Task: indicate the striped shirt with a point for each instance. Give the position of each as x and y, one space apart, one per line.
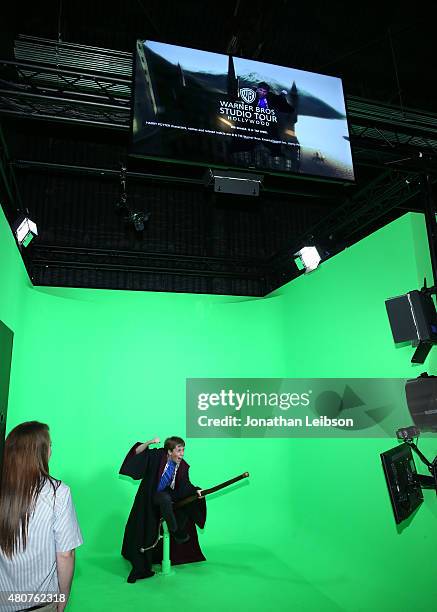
167 467
168 477
53 528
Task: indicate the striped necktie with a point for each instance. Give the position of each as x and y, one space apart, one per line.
167 476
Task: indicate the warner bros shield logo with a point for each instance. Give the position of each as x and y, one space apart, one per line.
248 95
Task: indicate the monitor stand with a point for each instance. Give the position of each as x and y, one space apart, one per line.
427 482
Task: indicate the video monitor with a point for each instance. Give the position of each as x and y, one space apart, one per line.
402 481
217 110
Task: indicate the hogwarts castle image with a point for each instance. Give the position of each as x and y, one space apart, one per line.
207 108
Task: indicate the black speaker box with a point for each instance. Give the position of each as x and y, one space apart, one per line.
412 317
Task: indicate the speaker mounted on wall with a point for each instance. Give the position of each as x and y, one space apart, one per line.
413 318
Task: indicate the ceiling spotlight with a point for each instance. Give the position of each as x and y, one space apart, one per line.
138 219
307 259
24 230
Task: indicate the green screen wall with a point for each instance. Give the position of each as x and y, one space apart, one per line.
14 289
312 529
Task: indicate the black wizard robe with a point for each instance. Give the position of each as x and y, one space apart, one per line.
142 526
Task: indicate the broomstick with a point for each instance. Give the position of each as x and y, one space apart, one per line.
192 498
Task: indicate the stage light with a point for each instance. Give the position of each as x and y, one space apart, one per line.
24 230
421 394
138 219
408 434
308 258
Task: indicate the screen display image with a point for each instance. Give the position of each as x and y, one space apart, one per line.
207 108
402 482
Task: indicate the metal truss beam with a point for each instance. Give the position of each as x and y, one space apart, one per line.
23 164
48 256
7 177
89 75
388 191
34 77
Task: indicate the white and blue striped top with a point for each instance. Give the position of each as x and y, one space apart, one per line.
53 528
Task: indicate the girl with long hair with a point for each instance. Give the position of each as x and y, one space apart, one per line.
38 525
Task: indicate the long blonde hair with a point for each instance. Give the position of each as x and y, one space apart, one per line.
25 471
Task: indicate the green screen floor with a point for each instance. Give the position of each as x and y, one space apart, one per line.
232 579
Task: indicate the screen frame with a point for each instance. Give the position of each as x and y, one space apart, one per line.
387 459
252 170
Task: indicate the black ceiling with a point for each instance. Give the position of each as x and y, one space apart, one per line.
62 146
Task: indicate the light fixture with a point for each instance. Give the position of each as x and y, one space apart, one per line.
24 230
308 258
138 219
131 217
421 394
231 181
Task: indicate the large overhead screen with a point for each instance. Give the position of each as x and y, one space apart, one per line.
213 109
